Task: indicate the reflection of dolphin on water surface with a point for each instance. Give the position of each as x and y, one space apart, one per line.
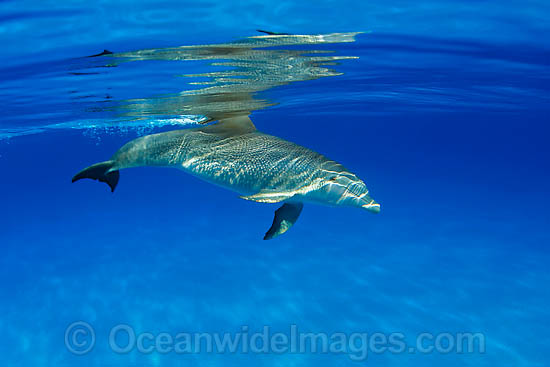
260 167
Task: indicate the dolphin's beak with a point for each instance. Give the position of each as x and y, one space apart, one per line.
372 207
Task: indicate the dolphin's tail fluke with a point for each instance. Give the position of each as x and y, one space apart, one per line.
102 172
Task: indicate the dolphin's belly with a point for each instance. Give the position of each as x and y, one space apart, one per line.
248 163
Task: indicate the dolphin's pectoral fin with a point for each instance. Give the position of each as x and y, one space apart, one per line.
285 217
100 171
269 196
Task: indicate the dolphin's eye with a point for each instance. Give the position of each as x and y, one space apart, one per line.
333 178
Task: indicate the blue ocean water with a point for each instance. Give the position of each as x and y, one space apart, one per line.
441 107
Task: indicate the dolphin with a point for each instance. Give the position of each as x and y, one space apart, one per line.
234 154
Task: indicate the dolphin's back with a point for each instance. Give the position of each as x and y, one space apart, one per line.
246 163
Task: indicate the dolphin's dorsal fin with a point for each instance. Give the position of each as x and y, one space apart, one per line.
285 217
230 126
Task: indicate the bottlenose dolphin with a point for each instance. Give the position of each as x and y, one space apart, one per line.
234 155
